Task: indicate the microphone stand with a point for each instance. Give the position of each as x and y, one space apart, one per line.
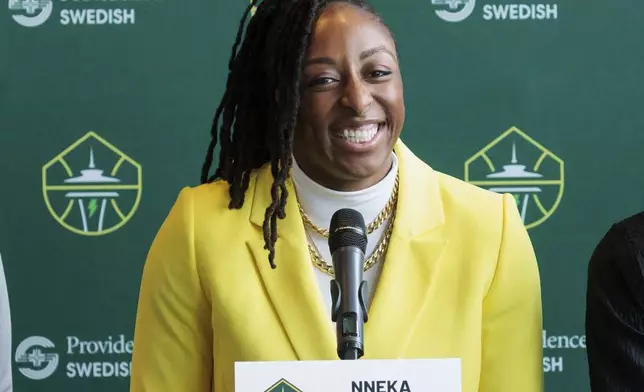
350 322
351 354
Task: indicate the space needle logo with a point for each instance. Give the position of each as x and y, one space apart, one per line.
515 163
83 196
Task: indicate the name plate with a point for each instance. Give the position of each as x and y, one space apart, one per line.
398 375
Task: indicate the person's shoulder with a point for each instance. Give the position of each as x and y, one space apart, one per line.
451 187
212 198
631 227
623 240
208 198
475 208
616 265
627 232
6 381
465 205
467 195
204 210
457 195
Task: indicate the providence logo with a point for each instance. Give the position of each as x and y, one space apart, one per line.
35 358
454 10
38 358
459 10
31 13
34 13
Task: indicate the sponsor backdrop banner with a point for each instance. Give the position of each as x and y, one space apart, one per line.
105 111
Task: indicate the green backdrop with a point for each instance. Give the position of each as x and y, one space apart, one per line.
125 90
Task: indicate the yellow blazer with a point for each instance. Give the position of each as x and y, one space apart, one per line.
460 280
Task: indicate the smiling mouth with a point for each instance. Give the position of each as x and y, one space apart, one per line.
361 134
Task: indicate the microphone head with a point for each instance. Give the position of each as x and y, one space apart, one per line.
347 229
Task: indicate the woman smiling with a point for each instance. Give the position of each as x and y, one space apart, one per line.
310 123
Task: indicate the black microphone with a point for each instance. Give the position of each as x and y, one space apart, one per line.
348 244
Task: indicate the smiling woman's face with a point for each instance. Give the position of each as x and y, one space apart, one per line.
351 104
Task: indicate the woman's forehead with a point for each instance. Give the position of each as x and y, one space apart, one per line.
345 27
342 15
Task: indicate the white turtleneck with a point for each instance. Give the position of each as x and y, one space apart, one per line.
320 203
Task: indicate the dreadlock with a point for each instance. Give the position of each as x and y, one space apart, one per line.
259 107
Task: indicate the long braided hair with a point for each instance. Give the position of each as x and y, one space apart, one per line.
259 108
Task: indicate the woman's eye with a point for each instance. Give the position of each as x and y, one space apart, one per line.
322 81
378 74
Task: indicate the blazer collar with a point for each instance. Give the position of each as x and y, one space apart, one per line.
419 199
292 287
404 286
420 206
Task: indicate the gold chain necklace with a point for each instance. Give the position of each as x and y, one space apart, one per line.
327 268
385 214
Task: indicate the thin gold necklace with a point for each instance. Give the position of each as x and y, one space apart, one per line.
387 213
322 265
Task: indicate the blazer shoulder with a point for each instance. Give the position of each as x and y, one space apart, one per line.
471 203
206 208
465 206
459 196
461 189
212 200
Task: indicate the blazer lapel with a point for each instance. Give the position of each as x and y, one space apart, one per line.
413 257
292 286
405 285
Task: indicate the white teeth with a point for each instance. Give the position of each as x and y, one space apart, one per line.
362 134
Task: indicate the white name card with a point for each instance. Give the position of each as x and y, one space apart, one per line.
398 375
